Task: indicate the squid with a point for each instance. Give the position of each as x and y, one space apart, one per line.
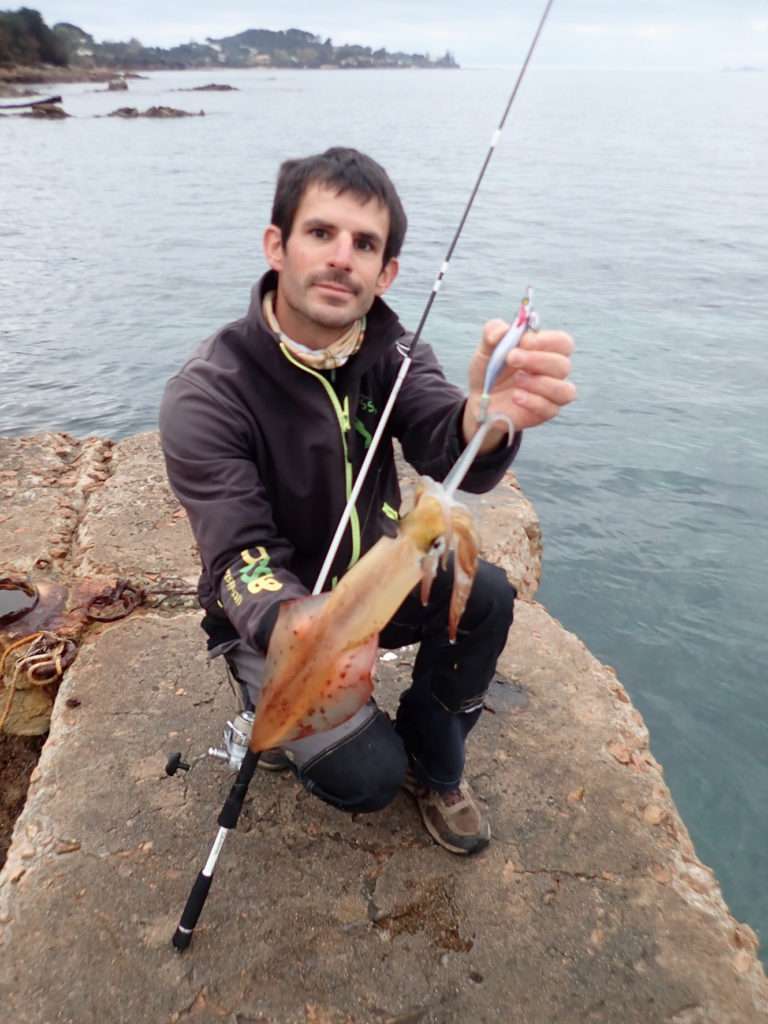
319 667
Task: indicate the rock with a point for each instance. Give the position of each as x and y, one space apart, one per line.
119 85
653 814
67 846
743 962
620 752
46 111
745 937
48 73
170 112
157 112
212 87
30 711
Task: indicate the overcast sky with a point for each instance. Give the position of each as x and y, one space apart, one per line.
584 33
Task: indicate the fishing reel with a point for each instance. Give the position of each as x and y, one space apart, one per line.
237 733
236 737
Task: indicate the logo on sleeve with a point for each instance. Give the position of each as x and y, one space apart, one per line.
254 576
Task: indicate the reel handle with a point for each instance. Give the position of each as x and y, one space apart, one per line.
175 764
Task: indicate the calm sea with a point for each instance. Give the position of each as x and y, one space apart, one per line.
636 205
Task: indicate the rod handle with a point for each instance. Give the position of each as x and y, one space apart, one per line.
233 805
192 909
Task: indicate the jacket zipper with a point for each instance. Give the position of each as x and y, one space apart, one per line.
343 417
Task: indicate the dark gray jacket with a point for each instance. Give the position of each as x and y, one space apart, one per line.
262 452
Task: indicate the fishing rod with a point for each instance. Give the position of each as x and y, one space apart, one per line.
230 812
406 364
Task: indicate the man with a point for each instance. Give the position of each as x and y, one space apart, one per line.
264 430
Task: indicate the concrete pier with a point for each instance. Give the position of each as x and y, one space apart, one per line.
590 905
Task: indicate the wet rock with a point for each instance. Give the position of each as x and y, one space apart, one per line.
46 112
211 87
156 112
171 112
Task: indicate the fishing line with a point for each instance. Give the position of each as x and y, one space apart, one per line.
406 364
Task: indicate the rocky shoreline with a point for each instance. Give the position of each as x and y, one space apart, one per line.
590 905
49 73
14 78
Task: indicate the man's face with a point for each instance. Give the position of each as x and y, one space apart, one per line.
330 269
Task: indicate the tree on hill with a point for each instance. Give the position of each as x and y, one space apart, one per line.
26 39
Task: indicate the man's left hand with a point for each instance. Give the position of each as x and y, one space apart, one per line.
531 388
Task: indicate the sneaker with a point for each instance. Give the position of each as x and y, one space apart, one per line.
452 818
273 760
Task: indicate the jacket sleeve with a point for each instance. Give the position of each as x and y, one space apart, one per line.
211 469
426 419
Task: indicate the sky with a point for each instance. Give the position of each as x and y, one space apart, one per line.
707 34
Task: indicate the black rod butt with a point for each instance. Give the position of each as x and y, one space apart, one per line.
192 910
181 939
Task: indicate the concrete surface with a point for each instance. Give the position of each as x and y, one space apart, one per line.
590 904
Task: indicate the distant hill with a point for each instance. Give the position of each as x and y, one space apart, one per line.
26 39
294 48
83 51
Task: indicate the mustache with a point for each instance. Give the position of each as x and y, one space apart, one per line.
336 277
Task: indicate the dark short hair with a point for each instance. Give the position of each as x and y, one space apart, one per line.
346 170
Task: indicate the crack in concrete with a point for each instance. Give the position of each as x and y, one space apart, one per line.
368 892
374 849
582 876
367 846
197 1002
